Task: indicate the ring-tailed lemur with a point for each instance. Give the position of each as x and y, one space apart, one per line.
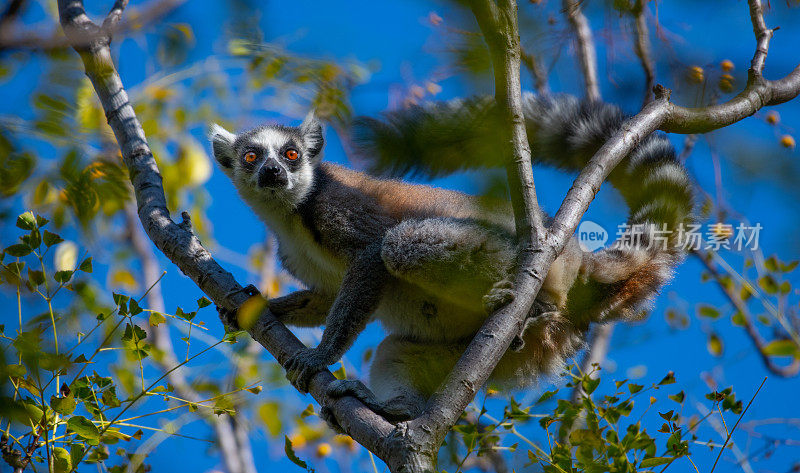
430 263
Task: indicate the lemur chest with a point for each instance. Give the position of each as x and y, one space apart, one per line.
316 266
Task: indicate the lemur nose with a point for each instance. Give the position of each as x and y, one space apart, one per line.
272 169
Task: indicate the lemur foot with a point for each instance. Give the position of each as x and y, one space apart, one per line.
326 414
538 309
228 317
394 410
501 294
303 365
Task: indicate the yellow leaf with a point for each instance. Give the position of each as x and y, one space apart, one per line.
123 278
250 311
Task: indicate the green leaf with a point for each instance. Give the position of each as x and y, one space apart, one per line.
76 452
63 405
26 221
668 379
678 397
715 345
547 395
120 299
291 455
35 277
62 461
157 318
134 307
83 427
16 371
634 388
589 384
18 250
63 276
86 265
650 462
768 284
781 348
51 238
708 311
203 302
109 398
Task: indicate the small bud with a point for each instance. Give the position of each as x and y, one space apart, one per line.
435 19
726 83
773 117
696 74
323 449
727 65
787 141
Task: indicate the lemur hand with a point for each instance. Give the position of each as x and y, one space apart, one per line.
303 365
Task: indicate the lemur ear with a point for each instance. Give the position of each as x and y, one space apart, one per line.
222 144
311 129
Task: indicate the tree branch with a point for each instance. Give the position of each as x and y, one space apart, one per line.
31 41
642 47
787 371
178 242
224 425
498 23
587 56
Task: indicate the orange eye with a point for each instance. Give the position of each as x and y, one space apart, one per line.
290 154
250 156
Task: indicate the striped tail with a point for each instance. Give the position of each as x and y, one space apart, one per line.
565 132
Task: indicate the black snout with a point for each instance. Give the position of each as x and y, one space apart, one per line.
272 174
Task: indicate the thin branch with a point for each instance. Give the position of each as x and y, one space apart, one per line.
730 434
643 49
760 344
537 71
498 23
587 55
30 40
595 354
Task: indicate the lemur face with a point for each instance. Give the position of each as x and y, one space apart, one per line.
272 162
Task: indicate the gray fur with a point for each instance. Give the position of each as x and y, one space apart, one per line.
430 264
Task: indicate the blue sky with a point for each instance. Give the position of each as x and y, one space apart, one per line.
397 36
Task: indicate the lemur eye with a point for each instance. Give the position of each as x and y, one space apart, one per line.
290 154
250 156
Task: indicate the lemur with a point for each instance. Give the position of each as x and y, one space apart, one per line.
431 264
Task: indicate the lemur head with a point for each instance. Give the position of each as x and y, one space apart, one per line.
272 162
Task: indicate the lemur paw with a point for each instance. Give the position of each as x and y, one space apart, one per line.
538 309
228 317
500 295
326 414
302 366
394 410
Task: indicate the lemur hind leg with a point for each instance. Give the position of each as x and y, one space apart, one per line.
457 259
402 377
